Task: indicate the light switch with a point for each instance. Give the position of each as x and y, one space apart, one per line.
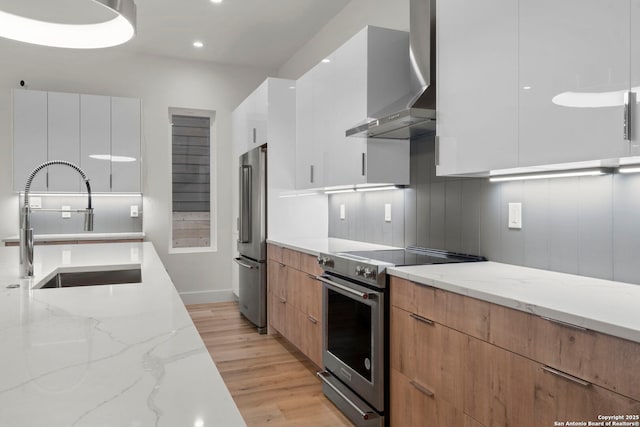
342 211
515 215
134 211
66 215
387 212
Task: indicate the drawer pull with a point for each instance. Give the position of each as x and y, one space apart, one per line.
311 276
312 319
567 376
283 300
422 389
560 322
421 319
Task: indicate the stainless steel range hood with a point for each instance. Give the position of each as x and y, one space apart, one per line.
414 114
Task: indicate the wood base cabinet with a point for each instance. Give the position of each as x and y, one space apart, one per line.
295 300
460 361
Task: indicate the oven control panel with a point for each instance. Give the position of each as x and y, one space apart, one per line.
366 272
325 261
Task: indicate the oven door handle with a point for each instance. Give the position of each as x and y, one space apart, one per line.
331 283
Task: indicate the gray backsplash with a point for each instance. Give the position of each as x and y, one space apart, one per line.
587 225
111 214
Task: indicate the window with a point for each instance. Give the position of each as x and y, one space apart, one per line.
193 214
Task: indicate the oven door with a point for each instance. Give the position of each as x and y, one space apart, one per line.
353 337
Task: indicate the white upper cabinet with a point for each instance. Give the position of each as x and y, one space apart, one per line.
477 77
29 137
63 124
125 145
635 75
98 133
363 76
574 69
534 82
249 120
95 137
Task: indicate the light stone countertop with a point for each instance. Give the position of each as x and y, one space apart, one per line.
78 236
313 246
113 355
600 305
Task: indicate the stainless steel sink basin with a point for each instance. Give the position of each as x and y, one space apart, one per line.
92 278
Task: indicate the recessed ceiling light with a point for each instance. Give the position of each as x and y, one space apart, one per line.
216 1
198 44
326 60
109 33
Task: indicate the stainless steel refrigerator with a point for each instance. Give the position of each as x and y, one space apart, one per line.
252 234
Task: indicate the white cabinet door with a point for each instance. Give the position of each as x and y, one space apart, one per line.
125 145
635 75
29 137
477 81
95 140
574 68
256 116
309 160
63 124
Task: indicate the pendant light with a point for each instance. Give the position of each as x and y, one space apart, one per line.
118 30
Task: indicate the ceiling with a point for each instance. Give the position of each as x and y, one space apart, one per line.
259 33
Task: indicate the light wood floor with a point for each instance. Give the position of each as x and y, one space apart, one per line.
271 382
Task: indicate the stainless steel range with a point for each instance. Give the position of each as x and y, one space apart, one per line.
356 328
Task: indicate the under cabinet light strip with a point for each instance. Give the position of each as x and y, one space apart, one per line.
629 169
349 190
550 175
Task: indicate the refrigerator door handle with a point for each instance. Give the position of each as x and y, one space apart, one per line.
239 261
244 231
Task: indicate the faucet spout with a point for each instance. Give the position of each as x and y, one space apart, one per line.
26 231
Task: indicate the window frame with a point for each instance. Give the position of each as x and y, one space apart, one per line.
213 174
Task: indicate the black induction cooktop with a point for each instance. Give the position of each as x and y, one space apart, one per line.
413 255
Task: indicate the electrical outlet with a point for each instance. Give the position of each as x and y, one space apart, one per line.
35 202
342 212
66 215
387 212
515 215
134 211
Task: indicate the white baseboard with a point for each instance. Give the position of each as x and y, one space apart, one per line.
206 297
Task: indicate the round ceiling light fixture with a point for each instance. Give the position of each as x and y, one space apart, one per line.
112 32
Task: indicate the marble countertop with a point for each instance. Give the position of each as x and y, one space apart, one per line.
112 355
78 236
313 246
600 305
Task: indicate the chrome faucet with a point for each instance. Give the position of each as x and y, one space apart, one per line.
26 232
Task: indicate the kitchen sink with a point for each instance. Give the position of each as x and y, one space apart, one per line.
93 278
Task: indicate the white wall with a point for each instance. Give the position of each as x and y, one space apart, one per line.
160 83
354 17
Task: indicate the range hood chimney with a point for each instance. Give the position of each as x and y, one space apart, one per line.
414 114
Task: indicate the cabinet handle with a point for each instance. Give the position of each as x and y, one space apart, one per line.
311 276
629 101
437 156
566 376
282 300
561 323
311 174
110 181
364 161
281 265
422 319
422 389
312 319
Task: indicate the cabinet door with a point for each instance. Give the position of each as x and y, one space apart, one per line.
95 140
257 115
635 75
29 138
309 158
574 68
125 145
63 127
477 85
277 285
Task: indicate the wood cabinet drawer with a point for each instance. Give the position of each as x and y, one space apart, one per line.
599 358
309 264
274 252
291 258
464 314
